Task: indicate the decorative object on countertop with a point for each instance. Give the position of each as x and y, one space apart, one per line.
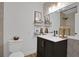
15 37
46 30
64 31
61 32
67 30
36 32
41 30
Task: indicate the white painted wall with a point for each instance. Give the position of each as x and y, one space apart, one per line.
18 20
1 27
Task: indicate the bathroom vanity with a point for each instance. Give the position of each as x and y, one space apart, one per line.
50 46
53 46
65 21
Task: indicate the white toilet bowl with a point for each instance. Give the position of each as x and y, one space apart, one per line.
17 54
15 48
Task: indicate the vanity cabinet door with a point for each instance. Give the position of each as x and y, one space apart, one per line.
40 47
60 48
56 49
46 48
49 49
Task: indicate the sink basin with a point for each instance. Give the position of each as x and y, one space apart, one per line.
52 38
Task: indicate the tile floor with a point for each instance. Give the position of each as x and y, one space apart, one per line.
32 55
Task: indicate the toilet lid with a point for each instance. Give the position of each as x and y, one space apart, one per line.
17 54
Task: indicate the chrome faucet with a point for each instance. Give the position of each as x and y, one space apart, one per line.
55 32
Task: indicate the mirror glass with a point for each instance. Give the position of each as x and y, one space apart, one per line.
67 20
64 18
55 19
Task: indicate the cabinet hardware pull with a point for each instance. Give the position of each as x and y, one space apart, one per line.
42 43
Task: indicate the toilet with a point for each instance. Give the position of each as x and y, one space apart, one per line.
15 48
17 54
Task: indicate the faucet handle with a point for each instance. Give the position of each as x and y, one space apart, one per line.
56 32
76 33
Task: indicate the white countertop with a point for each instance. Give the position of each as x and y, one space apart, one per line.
74 37
56 38
52 38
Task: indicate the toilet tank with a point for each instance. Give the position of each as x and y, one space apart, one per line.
15 45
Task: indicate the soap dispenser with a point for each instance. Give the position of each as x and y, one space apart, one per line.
41 30
46 30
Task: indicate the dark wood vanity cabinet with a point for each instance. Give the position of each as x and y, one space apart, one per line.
40 47
46 48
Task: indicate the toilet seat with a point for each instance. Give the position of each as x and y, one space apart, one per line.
17 54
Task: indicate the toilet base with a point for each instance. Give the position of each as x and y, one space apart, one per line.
17 54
